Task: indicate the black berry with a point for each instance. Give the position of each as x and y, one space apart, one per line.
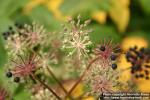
9 74
10 28
113 57
137 76
18 25
102 48
147 78
16 79
114 66
141 75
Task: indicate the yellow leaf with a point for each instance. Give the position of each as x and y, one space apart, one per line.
144 85
33 3
53 6
120 14
125 2
134 41
99 16
123 64
78 91
89 98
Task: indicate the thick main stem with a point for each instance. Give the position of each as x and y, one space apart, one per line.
45 85
60 84
81 77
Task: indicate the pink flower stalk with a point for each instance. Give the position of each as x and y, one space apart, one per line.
3 93
107 53
24 68
100 85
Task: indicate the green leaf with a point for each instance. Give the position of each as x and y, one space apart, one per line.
101 32
44 17
75 7
145 6
23 95
8 7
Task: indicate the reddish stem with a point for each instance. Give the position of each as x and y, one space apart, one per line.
46 86
60 84
81 77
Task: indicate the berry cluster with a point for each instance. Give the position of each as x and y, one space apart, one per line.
11 31
139 60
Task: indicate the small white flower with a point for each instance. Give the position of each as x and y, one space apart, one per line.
76 38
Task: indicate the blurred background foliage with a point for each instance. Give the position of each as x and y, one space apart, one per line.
125 21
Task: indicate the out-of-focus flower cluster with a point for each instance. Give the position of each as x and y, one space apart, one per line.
24 38
43 94
101 80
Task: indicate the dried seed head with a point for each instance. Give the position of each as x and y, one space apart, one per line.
76 39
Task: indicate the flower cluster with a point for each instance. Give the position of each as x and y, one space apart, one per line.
43 94
23 67
76 38
101 80
24 37
31 49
